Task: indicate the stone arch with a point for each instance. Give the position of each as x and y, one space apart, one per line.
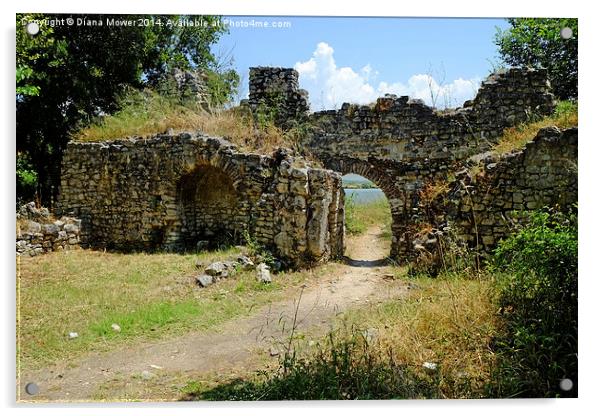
210 207
217 160
383 180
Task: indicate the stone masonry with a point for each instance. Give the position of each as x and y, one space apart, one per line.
482 208
38 232
401 144
277 89
188 191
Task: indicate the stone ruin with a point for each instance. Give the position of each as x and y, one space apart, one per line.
543 174
38 232
277 90
189 85
402 145
188 191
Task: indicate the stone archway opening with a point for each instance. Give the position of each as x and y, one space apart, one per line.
368 221
210 210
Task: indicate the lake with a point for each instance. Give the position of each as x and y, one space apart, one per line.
365 196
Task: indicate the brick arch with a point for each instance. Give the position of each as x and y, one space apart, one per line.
368 171
379 176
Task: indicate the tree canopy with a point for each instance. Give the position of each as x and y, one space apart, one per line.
538 43
66 75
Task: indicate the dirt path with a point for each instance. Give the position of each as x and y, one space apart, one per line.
244 343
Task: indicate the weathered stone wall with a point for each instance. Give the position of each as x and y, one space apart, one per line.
400 144
185 191
277 89
543 174
38 232
190 85
178 191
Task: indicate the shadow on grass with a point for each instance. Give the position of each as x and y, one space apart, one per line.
345 369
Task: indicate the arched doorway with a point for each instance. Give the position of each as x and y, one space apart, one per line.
210 208
368 221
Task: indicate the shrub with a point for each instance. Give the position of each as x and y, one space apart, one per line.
259 253
536 271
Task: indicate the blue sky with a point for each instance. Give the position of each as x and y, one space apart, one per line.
358 59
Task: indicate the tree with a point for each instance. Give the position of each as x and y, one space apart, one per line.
67 75
538 43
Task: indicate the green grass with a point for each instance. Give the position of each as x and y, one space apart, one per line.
339 369
147 295
360 217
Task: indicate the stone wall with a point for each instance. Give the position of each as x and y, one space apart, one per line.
38 232
481 209
401 144
187 85
277 90
189 191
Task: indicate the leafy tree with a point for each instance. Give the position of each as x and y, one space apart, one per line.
67 75
538 43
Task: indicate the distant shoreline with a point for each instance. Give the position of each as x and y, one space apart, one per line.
359 185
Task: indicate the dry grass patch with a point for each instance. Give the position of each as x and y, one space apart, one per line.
380 351
448 321
514 138
145 113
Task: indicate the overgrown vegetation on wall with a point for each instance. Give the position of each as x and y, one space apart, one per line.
565 115
148 112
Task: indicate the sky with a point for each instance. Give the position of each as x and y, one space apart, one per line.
349 59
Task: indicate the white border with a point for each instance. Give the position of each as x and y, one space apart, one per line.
589 154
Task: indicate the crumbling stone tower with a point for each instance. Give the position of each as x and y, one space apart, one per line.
274 92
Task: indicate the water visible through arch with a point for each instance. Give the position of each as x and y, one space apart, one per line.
367 215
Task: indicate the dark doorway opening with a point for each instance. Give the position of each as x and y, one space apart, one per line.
210 210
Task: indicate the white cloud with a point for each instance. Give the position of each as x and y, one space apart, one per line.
329 86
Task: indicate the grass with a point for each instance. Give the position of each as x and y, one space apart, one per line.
359 217
448 321
515 138
147 295
145 113
508 332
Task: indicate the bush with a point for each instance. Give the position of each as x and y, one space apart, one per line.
536 271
